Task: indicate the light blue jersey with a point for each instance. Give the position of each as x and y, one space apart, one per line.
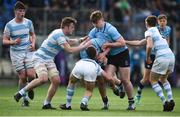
109 33
52 45
21 30
165 32
97 43
161 47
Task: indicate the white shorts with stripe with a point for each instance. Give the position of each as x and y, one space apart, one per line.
162 65
46 67
21 60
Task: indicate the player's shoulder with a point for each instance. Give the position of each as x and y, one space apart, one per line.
11 22
168 28
109 26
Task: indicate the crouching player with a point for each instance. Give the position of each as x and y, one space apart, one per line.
88 70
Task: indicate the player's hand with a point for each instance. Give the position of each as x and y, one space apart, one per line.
148 60
17 41
105 46
83 39
32 47
101 57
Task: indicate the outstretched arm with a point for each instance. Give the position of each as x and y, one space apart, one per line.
77 41
136 42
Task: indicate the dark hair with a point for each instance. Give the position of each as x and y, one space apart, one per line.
151 20
95 16
162 16
66 21
19 5
91 52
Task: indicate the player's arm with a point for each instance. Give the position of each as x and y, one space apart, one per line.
119 43
136 42
70 49
32 40
103 54
77 41
8 41
168 40
149 48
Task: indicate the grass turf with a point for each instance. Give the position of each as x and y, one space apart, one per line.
150 104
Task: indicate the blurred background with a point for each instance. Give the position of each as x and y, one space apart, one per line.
126 15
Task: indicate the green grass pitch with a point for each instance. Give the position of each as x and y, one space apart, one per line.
150 106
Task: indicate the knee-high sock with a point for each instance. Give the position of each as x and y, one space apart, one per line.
167 88
70 93
157 88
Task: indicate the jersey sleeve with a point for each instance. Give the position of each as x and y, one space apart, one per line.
61 40
31 27
92 33
115 35
147 34
7 30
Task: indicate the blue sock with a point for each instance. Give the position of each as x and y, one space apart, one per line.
70 93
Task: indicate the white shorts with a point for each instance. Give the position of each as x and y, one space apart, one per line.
45 67
161 65
21 60
85 70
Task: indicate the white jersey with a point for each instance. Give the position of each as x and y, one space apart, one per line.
87 69
161 47
52 45
21 30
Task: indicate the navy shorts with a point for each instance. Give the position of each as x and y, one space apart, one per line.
119 60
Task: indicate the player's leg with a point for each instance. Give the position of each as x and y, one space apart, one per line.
120 86
89 86
145 80
154 77
111 70
30 72
159 69
53 75
70 92
168 90
125 78
41 71
102 91
141 84
22 84
18 62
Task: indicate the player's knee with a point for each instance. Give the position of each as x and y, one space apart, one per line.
31 74
22 74
55 80
43 80
163 80
125 81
